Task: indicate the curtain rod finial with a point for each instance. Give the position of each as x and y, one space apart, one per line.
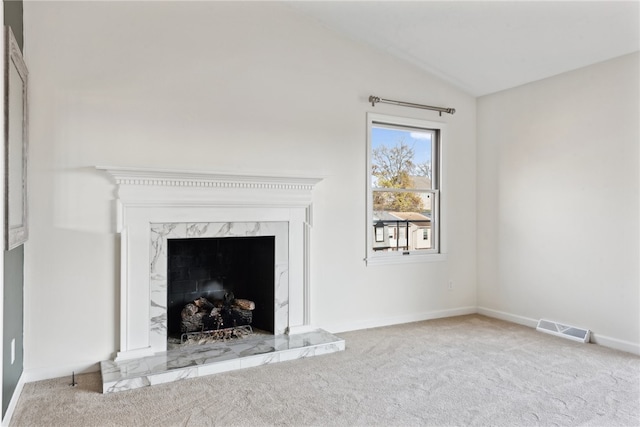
373 100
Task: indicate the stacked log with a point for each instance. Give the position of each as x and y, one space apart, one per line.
202 315
244 304
203 304
240 317
214 320
192 318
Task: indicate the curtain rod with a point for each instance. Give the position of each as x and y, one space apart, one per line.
374 99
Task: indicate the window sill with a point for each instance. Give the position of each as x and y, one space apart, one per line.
397 258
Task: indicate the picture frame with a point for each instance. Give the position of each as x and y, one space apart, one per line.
16 143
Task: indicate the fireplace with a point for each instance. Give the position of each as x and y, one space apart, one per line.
160 211
207 238
155 207
205 278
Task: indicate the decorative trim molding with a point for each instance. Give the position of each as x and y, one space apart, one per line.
181 178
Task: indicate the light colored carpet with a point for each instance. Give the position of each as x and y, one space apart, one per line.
468 370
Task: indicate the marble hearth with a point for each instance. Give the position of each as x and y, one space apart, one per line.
156 205
207 359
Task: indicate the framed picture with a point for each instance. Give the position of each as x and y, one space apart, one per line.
16 143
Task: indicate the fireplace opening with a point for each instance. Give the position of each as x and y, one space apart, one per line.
217 269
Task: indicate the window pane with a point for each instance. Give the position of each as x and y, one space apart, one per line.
420 202
401 157
403 219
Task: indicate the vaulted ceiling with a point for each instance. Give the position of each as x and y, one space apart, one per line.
485 47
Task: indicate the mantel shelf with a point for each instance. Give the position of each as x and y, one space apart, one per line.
185 178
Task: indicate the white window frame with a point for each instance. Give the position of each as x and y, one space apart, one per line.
412 256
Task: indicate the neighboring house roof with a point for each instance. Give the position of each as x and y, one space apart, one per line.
411 216
414 218
384 216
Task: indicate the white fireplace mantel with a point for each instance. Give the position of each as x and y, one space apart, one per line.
148 198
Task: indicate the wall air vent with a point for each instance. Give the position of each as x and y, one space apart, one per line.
564 331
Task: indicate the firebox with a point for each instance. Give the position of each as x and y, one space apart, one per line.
218 268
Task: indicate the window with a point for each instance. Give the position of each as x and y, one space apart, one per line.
403 200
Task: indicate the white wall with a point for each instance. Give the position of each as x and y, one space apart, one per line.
558 191
217 86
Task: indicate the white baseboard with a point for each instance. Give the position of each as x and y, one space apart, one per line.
388 321
603 340
615 343
513 318
14 401
39 374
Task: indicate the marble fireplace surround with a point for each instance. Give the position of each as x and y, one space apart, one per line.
161 233
153 205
